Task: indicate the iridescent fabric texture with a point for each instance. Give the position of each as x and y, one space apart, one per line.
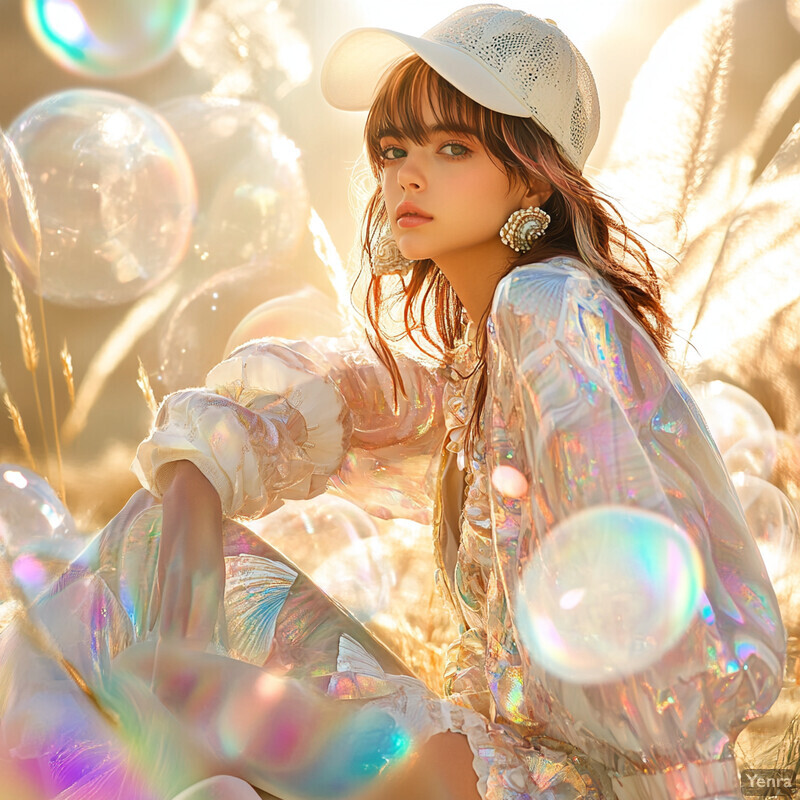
583 406
583 409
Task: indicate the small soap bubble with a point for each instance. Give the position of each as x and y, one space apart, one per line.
740 425
773 523
194 336
38 536
30 510
108 40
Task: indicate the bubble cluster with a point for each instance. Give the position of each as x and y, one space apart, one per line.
115 195
608 593
108 40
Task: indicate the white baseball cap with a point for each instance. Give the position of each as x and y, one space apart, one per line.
506 60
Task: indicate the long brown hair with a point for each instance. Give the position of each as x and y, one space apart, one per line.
583 223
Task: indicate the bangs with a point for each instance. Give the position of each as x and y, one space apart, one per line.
406 90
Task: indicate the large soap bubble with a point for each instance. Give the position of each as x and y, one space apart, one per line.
38 536
740 425
303 314
195 336
108 40
608 593
340 547
115 194
253 201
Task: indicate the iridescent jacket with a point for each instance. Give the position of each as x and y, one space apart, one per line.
581 404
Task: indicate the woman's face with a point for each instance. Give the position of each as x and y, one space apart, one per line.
446 197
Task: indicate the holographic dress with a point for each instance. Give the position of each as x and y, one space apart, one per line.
581 404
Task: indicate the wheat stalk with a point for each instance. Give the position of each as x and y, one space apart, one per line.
16 419
30 356
19 429
143 382
62 491
66 369
30 352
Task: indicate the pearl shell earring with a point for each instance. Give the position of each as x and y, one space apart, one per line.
524 227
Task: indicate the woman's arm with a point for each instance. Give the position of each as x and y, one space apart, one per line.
275 422
191 568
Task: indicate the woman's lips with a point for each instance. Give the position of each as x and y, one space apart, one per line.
412 221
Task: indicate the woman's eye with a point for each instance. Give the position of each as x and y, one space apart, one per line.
457 150
392 153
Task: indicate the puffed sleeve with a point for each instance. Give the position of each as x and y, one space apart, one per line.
284 419
585 407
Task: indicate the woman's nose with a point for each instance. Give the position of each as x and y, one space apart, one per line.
411 174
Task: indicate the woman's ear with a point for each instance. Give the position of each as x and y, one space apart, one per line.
537 194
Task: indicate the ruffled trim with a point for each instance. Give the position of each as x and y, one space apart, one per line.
253 371
473 726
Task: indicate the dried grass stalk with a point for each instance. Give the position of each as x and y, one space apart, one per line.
30 352
66 369
19 429
143 382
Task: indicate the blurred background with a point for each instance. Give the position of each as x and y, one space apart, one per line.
221 225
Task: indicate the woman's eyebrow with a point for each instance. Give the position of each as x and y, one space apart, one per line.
443 127
428 130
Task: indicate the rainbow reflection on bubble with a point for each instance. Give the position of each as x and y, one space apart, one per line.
610 591
108 40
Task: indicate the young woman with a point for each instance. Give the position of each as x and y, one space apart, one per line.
553 396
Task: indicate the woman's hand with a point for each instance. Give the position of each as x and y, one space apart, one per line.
191 567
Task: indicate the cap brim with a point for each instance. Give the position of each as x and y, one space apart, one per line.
355 64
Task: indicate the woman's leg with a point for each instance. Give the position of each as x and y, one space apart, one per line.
220 787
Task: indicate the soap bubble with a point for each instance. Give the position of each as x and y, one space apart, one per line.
772 521
108 40
252 197
196 333
115 193
609 592
741 427
341 549
20 235
299 315
37 534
